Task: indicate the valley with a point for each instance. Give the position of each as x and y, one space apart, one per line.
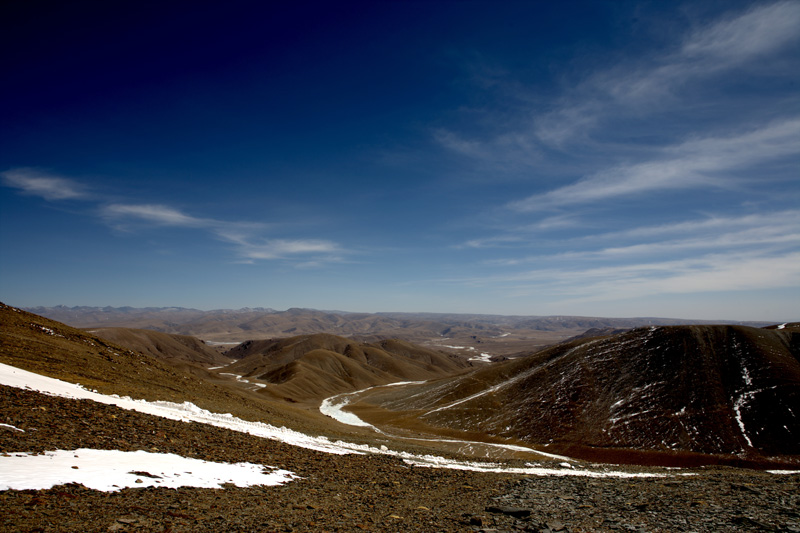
383 434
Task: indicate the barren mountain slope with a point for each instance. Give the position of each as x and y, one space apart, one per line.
316 366
53 349
163 345
725 390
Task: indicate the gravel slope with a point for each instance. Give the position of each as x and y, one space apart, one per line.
353 493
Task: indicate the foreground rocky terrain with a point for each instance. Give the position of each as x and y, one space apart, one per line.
361 493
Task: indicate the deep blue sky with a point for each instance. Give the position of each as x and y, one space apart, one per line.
587 158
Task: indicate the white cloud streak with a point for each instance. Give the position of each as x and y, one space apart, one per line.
247 237
733 271
156 214
716 254
760 30
707 51
634 88
249 245
691 164
251 248
38 183
763 231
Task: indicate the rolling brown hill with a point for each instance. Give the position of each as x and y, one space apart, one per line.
657 394
50 348
172 347
312 367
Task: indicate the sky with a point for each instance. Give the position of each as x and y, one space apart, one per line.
619 158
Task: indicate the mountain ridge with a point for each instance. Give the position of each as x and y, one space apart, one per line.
727 391
467 334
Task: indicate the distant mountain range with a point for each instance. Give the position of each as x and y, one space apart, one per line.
493 334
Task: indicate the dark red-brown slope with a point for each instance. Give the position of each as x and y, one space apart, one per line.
724 390
310 367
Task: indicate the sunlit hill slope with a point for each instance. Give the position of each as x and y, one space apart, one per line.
321 365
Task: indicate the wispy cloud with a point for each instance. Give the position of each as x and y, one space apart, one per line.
731 271
522 233
764 231
156 214
635 87
48 186
655 83
691 164
248 239
712 254
760 30
787 221
250 247
249 243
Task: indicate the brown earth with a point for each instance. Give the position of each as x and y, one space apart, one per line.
175 348
336 493
313 367
668 395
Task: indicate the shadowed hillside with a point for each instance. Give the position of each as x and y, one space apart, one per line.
317 366
725 390
176 348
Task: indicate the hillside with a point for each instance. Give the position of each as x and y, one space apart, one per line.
47 347
312 367
176 348
726 391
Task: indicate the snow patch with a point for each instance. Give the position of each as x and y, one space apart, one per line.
11 427
47 330
112 470
483 357
333 407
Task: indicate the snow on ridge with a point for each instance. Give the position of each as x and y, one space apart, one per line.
483 357
744 397
187 411
112 470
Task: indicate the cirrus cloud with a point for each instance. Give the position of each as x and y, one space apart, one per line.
35 182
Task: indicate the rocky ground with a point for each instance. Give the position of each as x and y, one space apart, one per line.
355 493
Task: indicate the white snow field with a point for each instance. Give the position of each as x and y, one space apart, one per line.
15 377
112 470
